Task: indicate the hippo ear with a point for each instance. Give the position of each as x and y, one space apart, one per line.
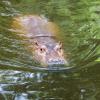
60 44
39 45
36 43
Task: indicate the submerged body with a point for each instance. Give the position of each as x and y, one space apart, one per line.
41 34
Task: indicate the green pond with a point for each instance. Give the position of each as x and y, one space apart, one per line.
79 23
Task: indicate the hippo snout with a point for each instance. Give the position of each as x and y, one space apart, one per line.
56 62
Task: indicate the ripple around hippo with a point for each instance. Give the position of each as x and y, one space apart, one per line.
54 69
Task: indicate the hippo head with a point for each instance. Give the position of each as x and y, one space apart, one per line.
48 54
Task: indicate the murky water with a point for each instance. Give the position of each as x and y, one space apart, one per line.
79 22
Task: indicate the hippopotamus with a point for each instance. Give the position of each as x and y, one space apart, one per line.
41 33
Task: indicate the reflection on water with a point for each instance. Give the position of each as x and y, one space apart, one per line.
80 27
19 85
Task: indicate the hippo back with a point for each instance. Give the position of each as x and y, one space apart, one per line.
32 26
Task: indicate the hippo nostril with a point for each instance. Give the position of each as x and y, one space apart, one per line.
56 61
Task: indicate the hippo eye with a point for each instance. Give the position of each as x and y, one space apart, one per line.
42 50
60 48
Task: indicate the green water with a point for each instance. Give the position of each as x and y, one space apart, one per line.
79 22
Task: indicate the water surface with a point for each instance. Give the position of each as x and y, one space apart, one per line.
79 22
